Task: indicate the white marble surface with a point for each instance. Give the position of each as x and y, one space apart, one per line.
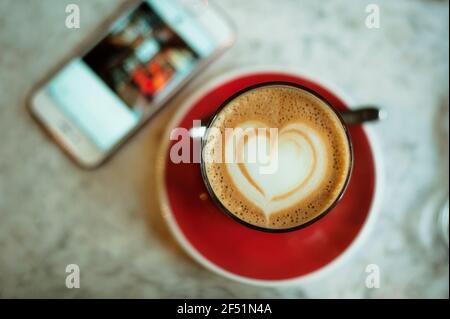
53 214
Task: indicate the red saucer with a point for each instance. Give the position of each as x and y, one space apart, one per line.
230 247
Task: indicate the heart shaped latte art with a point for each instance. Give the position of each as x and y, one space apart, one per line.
275 172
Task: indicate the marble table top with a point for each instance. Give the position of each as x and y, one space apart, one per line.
106 221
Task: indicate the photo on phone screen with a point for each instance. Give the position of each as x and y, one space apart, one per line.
141 57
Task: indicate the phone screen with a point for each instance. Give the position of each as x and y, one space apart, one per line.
120 81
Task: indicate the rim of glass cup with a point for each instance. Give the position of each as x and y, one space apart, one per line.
217 201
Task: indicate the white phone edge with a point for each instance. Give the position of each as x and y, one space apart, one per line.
67 135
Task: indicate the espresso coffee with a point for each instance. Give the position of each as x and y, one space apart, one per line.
311 151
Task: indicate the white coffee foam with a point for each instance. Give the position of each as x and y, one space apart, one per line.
301 167
254 197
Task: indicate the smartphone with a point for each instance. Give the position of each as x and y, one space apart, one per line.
102 96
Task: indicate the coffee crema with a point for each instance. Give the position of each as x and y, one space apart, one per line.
313 157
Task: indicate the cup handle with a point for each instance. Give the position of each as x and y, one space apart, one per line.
363 114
